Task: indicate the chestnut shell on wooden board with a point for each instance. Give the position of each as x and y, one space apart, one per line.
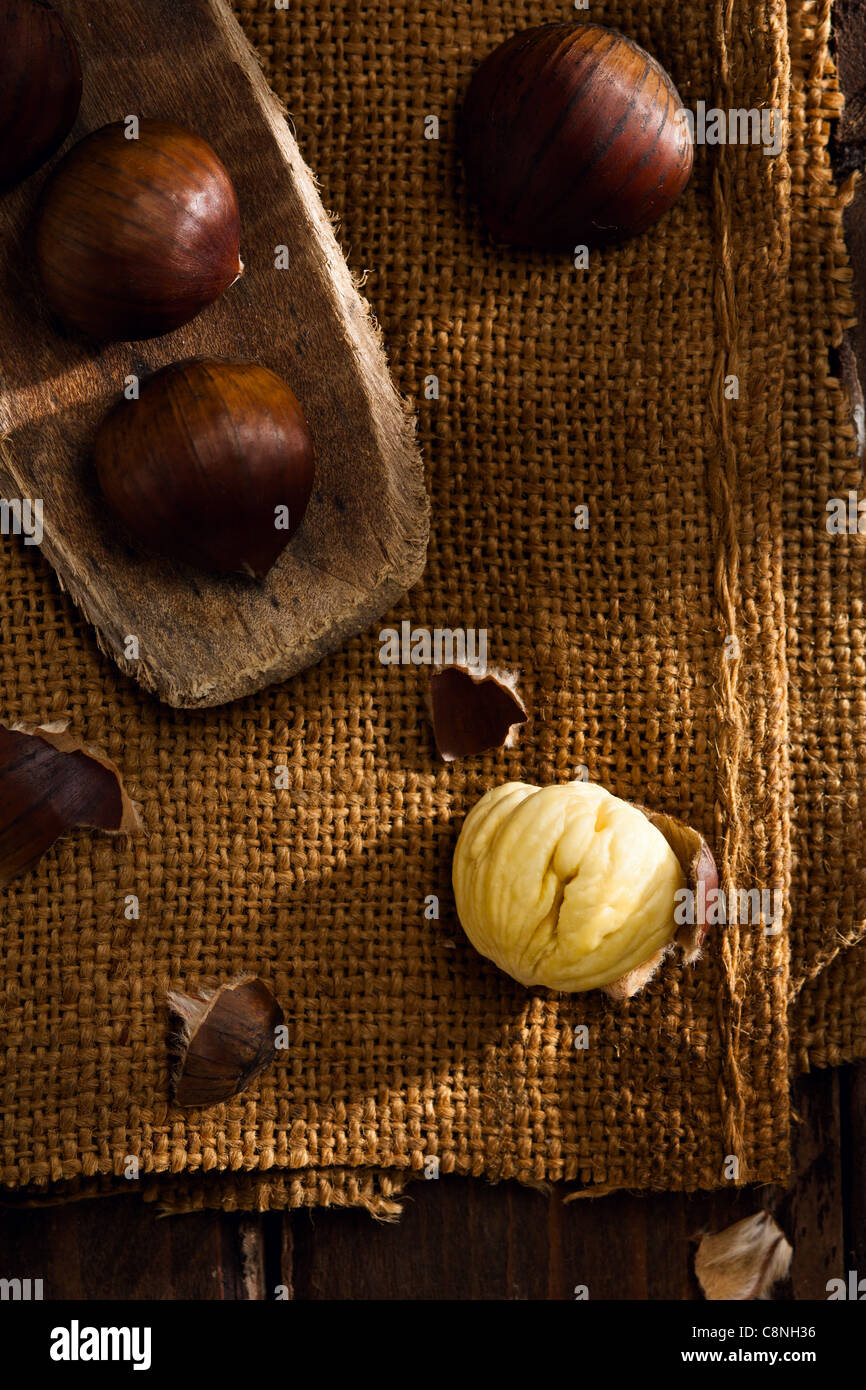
40 86
572 134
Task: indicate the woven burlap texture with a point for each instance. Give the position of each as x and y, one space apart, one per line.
377 1191
827 981
557 387
824 581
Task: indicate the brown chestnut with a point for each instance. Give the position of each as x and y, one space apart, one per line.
136 236
40 86
571 135
212 465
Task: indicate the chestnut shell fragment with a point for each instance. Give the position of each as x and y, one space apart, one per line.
573 134
49 783
40 86
472 712
226 1040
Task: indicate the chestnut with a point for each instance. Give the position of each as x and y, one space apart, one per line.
212 465
40 86
572 134
136 236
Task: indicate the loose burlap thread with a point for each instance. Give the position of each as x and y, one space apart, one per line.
556 388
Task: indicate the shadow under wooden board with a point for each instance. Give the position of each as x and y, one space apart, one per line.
205 640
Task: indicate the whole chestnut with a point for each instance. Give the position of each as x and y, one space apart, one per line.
136 236
212 465
40 86
572 134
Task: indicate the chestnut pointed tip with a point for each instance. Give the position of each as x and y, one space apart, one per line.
255 574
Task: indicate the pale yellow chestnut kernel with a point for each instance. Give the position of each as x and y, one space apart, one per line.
564 886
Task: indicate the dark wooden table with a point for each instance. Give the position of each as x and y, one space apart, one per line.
462 1238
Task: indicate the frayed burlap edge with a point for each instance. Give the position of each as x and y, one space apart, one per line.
376 1191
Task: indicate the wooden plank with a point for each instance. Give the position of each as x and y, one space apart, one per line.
116 1247
853 1105
811 1212
207 639
459 1238
464 1239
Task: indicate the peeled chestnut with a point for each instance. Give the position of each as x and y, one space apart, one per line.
40 86
212 465
136 236
573 135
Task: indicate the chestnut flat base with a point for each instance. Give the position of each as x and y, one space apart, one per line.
202 639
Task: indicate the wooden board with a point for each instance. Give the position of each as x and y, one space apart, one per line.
205 640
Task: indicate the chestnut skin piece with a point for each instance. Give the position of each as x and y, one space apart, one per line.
40 86
226 1040
49 783
197 467
134 237
572 134
473 712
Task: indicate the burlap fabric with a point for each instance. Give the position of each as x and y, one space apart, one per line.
557 387
378 1191
824 581
824 611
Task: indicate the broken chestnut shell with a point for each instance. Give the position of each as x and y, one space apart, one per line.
212 465
49 783
573 134
702 878
473 711
226 1040
743 1261
40 86
136 236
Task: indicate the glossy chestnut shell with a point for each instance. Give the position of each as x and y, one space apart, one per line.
40 86
136 236
212 465
571 135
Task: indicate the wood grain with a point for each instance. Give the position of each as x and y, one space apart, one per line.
116 1247
204 640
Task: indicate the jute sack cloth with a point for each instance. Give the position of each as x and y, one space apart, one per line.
557 387
824 584
827 975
